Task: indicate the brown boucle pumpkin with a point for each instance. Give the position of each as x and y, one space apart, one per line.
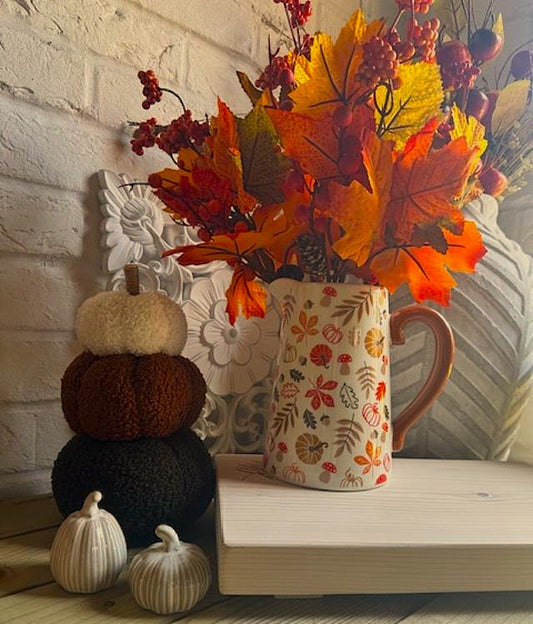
124 397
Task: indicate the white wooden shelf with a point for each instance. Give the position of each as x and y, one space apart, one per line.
439 526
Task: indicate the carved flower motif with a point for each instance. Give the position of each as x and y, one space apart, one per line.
133 220
231 358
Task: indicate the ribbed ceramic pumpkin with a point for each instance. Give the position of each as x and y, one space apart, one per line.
169 576
89 549
124 397
131 322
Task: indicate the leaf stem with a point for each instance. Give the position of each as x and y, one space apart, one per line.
176 95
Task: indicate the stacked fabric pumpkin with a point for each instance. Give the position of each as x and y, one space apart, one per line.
131 398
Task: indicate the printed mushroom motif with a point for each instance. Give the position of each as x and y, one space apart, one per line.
282 450
328 469
328 293
344 360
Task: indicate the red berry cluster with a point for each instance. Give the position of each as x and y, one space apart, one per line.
350 160
418 6
456 67
405 50
380 62
277 73
183 132
144 136
203 200
151 90
424 37
299 12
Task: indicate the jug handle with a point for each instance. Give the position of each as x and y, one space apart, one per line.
440 371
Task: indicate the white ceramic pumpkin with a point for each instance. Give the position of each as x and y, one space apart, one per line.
169 576
89 549
131 322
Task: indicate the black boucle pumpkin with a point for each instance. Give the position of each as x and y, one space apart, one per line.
144 482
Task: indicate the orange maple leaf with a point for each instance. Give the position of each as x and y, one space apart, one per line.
426 183
426 270
314 143
244 296
358 210
227 155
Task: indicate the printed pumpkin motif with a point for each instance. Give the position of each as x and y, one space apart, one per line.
294 473
332 429
321 355
375 342
289 353
371 414
332 333
309 448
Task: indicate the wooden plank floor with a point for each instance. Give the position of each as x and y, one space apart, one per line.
28 594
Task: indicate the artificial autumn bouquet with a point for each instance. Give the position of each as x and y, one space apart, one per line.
355 159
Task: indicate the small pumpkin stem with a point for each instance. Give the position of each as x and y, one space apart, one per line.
169 537
131 271
90 506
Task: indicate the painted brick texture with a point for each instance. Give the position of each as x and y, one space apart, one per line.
68 87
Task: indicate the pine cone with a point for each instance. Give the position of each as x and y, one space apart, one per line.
312 254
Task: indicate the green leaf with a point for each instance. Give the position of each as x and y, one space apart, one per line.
249 88
263 166
452 16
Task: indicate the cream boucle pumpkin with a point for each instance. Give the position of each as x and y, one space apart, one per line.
143 324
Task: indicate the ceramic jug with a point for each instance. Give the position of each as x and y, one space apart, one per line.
330 422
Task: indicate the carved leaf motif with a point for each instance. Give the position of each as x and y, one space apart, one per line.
347 434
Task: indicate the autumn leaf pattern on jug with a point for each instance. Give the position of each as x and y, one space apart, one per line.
331 402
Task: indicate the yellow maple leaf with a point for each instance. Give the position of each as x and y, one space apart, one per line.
416 102
334 68
301 68
469 128
227 154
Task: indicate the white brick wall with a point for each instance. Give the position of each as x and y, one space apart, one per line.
67 86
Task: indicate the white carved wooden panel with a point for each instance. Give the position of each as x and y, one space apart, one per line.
236 361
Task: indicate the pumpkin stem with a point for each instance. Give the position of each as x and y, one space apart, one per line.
169 537
90 506
131 271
